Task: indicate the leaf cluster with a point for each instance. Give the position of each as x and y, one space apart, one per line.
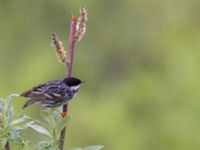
11 128
51 128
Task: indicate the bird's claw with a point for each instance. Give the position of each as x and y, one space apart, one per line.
63 114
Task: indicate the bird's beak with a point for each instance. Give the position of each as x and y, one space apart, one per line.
82 82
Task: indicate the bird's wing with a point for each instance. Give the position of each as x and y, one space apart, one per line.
31 92
57 91
41 91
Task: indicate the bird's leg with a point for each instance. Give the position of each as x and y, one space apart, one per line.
63 114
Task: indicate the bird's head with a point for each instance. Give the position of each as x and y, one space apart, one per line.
73 82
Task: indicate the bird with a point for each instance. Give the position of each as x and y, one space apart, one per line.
53 93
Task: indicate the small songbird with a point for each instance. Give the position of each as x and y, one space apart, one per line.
54 93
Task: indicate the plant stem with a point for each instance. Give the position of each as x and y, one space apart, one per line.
7 146
71 47
69 65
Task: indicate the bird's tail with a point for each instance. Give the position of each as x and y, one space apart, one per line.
29 102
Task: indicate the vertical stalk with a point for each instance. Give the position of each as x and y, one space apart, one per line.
7 146
71 46
69 65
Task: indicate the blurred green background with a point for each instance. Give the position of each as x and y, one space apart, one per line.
140 58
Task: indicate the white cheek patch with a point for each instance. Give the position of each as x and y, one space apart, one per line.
75 88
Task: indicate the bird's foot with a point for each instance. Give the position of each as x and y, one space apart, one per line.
63 114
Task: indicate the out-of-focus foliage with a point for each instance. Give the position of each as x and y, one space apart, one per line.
95 147
140 59
10 128
51 128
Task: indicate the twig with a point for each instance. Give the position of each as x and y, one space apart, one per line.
7 146
69 65
71 46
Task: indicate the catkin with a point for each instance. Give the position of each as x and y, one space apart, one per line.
81 24
59 49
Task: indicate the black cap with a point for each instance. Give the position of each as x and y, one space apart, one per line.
72 81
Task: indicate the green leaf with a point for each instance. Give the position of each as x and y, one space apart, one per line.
24 126
43 145
14 135
3 104
62 123
20 120
46 114
10 97
95 147
77 148
9 115
26 145
4 140
10 129
40 129
56 114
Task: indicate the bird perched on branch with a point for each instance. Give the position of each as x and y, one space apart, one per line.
54 93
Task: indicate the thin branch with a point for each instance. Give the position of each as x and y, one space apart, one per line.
71 46
69 65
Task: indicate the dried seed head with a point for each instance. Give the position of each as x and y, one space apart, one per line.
81 24
59 49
